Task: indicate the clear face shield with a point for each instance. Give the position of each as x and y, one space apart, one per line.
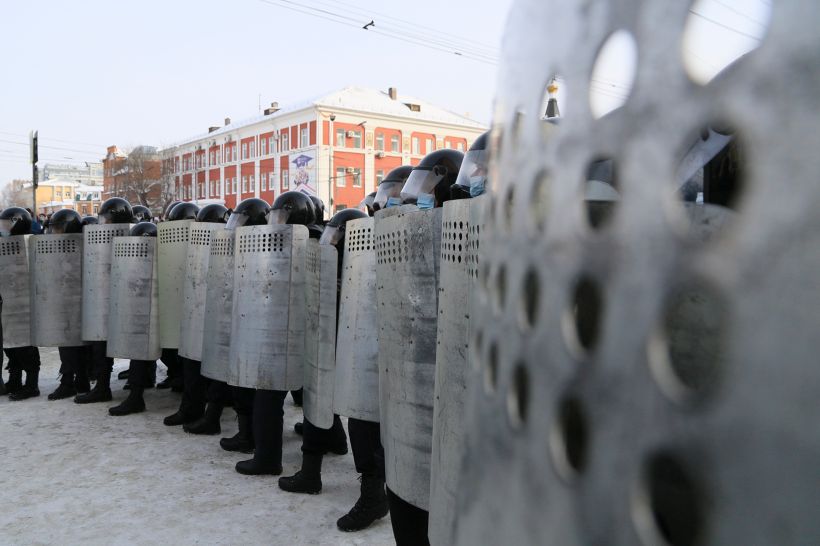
103 220
332 235
6 226
237 220
57 228
473 173
279 216
366 203
422 181
386 191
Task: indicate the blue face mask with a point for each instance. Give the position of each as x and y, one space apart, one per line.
393 202
477 185
426 201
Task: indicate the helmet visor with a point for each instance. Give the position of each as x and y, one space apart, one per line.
278 216
6 227
386 191
473 169
331 235
237 220
366 203
56 228
103 219
420 181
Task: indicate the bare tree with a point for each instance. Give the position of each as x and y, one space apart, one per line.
138 178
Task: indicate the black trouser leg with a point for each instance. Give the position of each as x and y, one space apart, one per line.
66 366
297 397
102 364
218 392
268 416
409 522
366 442
320 441
196 386
139 373
170 358
79 359
243 400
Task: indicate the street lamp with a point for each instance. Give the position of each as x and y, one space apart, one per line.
331 185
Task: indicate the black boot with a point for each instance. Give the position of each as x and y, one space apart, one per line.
308 480
208 423
298 428
254 467
133 404
165 383
2 385
372 505
179 418
30 389
100 393
81 383
267 434
15 382
242 441
64 390
123 375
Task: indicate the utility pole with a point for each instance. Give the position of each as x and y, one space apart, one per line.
331 186
33 150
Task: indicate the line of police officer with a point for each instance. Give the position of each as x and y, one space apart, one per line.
244 336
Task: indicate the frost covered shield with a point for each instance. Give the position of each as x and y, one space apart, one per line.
356 391
173 255
97 246
407 264
216 342
133 319
194 289
14 288
451 368
56 290
321 263
268 332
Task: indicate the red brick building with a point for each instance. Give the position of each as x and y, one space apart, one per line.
337 147
136 176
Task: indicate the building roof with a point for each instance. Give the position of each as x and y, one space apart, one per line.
356 98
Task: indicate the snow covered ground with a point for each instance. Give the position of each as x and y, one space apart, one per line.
72 474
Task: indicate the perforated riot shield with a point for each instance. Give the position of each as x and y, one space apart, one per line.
14 289
320 332
216 343
268 334
195 288
451 368
173 255
56 290
595 416
356 392
133 318
97 250
407 265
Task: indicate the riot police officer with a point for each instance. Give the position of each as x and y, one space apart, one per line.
73 360
389 190
141 214
113 211
473 173
16 222
140 374
366 204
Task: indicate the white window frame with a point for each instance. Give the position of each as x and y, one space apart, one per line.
380 142
357 177
395 139
284 142
357 139
379 176
304 136
415 146
340 136
263 183
429 145
341 174
244 184
252 183
285 180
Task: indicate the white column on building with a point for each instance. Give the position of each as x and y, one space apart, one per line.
257 182
222 171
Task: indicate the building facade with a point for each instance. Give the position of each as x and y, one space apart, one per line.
91 174
57 193
135 176
337 147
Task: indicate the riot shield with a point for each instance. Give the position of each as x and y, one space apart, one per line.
407 264
321 263
268 332
194 289
133 318
216 343
356 391
97 249
14 289
451 367
56 290
172 255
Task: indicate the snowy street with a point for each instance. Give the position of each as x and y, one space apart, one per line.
72 474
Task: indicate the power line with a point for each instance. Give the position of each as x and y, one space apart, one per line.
738 12
84 152
48 138
724 25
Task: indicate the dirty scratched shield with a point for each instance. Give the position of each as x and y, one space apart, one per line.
133 318
97 277
14 289
173 255
216 342
407 265
194 289
321 264
56 290
268 332
356 391
451 368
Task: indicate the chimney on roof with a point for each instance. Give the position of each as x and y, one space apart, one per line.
212 129
274 107
393 92
227 121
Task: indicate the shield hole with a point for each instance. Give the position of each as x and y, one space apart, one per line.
716 34
687 354
530 298
477 347
668 508
581 321
601 192
501 288
518 396
569 439
539 201
613 73
491 369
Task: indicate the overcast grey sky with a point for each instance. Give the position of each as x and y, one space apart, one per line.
92 73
